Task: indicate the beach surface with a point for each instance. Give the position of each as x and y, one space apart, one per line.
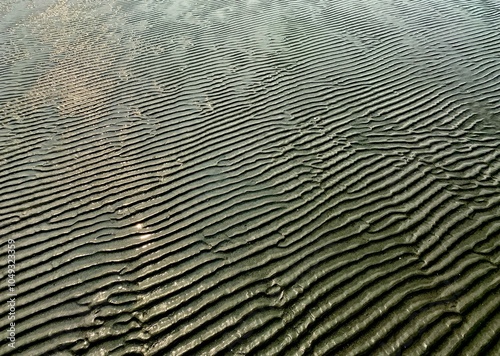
299 177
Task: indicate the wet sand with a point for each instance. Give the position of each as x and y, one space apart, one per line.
251 178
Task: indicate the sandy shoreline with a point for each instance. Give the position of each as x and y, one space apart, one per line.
273 178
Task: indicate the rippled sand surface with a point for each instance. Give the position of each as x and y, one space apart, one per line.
252 177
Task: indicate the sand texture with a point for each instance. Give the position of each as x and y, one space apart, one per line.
299 177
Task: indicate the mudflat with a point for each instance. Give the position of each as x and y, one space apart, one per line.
250 177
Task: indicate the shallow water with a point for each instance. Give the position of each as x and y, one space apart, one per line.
262 177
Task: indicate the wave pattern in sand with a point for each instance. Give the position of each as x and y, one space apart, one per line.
263 177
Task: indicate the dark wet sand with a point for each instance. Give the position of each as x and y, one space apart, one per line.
251 178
